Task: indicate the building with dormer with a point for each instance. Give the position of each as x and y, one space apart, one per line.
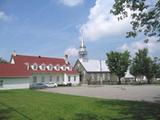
22 71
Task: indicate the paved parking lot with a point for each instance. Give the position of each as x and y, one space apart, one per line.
149 93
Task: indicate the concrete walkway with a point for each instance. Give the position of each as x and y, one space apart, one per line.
149 93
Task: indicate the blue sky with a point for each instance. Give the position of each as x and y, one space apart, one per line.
55 27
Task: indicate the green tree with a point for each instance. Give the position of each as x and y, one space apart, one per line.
3 60
149 69
118 63
134 70
145 16
143 65
156 67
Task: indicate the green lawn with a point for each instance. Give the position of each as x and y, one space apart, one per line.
36 105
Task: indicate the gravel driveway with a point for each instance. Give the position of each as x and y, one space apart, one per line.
149 93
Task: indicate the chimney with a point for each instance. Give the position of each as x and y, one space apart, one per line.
14 53
66 58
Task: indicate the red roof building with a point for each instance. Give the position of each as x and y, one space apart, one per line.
49 64
38 69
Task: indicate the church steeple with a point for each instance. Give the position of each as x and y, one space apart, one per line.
82 50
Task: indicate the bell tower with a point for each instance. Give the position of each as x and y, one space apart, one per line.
82 50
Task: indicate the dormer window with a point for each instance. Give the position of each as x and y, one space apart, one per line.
34 66
63 67
27 65
42 66
69 68
57 67
50 67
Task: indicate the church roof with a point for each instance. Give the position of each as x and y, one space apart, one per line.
94 65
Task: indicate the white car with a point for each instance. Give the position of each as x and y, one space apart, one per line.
51 84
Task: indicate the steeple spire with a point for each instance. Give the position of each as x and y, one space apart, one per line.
82 49
82 42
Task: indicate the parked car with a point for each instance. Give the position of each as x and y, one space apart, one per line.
38 86
65 84
69 84
51 84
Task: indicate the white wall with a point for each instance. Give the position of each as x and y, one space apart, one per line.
15 83
20 83
47 78
76 82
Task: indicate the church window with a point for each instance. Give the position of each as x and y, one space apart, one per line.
108 76
92 76
98 77
103 76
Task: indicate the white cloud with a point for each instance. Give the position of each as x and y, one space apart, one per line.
152 45
102 24
71 51
72 3
4 16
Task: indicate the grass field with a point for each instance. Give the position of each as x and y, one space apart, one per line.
36 105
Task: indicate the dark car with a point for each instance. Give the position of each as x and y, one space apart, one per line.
38 86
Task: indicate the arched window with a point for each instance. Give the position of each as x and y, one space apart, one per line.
42 66
34 66
69 68
57 67
50 67
63 68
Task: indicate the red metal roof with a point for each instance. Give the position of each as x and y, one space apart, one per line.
14 70
19 69
38 59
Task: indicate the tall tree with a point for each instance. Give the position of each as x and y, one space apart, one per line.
134 70
145 16
143 65
156 67
3 60
118 63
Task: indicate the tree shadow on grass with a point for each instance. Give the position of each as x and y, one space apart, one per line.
157 99
5 113
87 116
131 110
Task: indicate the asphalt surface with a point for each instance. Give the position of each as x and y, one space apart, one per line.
150 93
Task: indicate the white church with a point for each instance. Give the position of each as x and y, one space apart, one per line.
92 71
